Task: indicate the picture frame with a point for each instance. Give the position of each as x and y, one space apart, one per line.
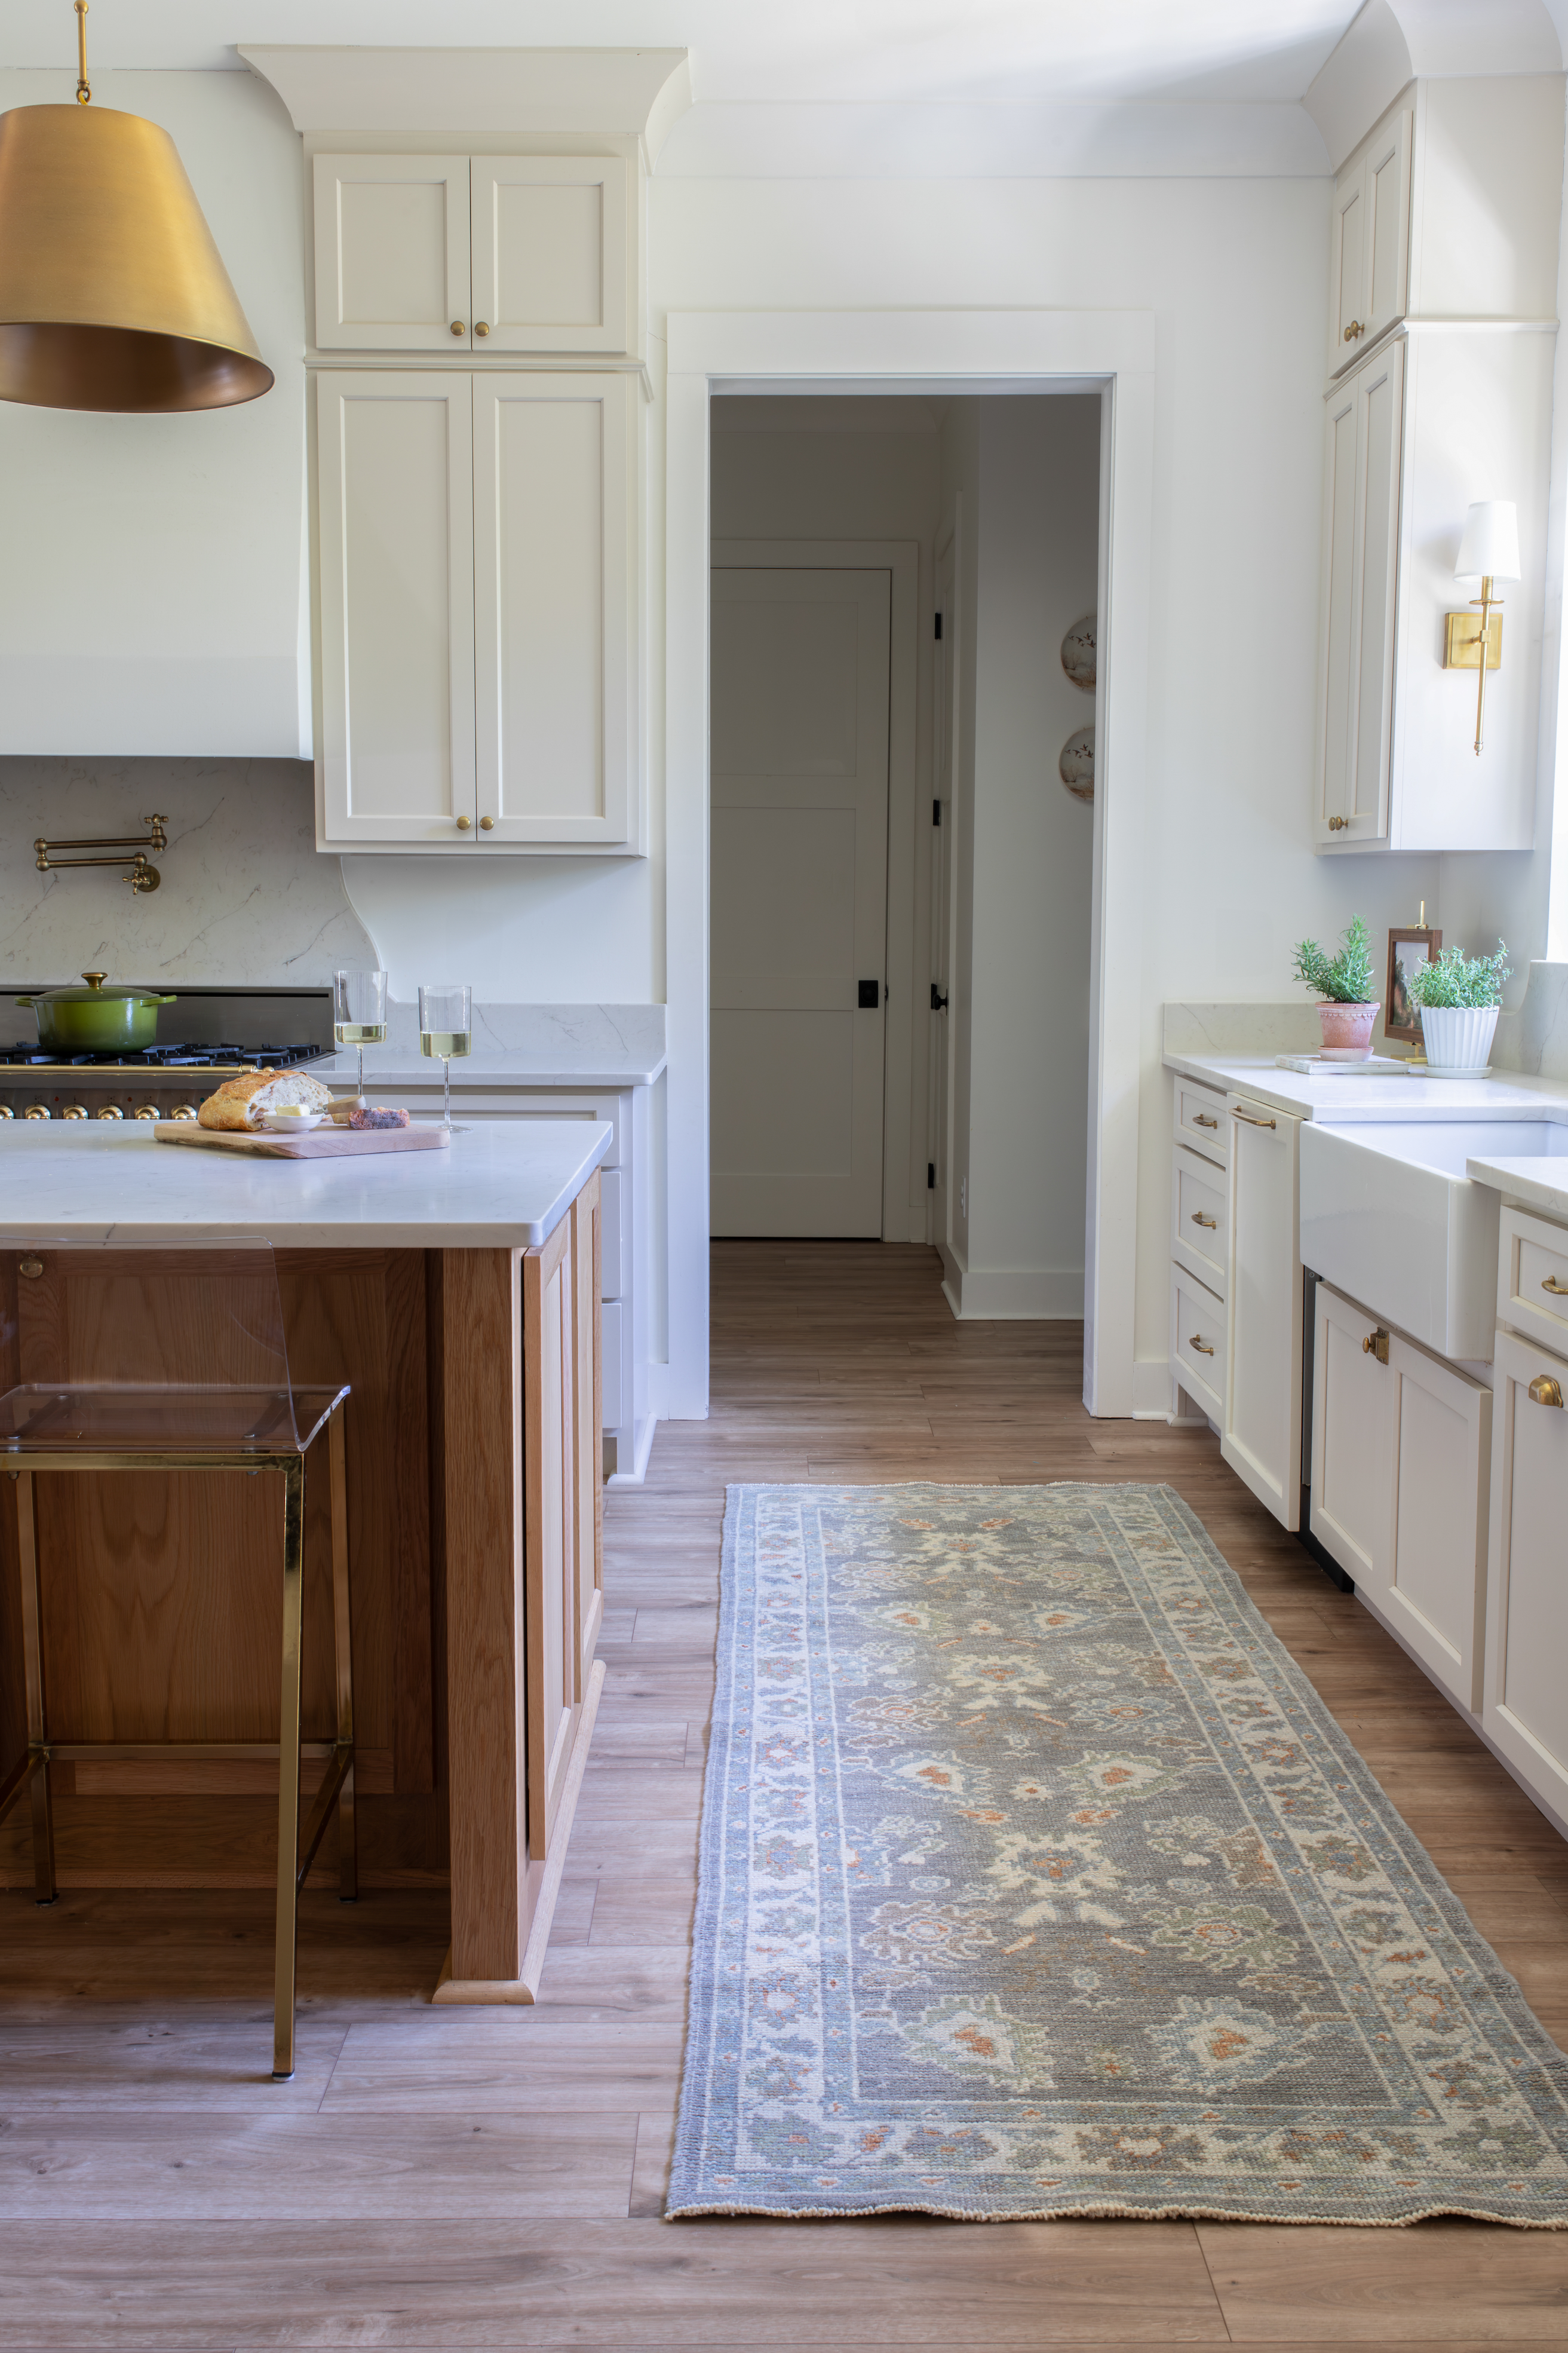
1400 1018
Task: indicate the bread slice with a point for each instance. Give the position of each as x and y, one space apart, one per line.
240 1103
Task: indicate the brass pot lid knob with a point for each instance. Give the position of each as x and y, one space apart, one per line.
95 980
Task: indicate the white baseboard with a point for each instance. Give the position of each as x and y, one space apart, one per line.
1014 1294
642 1447
1152 1389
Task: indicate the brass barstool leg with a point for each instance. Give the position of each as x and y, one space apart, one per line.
342 1658
32 1669
289 1768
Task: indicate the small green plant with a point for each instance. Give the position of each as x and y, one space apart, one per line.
1346 979
1455 978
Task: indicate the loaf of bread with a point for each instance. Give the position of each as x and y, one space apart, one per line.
240 1103
376 1115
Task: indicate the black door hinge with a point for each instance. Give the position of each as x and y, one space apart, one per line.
936 812
931 1176
938 999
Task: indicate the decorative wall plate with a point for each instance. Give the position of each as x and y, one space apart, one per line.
1076 764
1079 654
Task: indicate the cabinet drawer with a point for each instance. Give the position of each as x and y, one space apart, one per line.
1199 1219
1532 1278
1198 1341
1201 1122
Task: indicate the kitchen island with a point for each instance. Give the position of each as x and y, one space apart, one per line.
456 1292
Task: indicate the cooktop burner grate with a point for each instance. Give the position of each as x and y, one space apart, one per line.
165 1058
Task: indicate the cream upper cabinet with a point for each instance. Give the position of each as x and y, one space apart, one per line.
1361 478
484 253
394 499
1368 257
549 266
554 562
391 253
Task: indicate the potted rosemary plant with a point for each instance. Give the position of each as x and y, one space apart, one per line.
1458 997
1347 989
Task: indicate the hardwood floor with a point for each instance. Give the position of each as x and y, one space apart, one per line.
494 2178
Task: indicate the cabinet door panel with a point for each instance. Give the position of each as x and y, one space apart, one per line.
391 252
1380 406
1338 693
394 463
1347 268
1435 1593
553 579
1261 1433
1525 1710
1387 233
1352 1401
549 252
551 1503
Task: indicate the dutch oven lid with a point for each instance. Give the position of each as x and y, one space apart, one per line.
95 993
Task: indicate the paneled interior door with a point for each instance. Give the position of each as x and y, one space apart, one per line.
941 873
800 682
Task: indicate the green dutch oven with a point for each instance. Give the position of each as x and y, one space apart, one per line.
95 1019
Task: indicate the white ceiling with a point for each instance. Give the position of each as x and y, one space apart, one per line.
793 51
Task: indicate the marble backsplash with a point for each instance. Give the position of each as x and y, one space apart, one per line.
245 897
1530 1037
1534 1036
545 1031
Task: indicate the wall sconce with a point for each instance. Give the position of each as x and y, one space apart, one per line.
1488 552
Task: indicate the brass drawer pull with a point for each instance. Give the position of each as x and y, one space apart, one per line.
1199 1219
1545 1390
1376 1344
1558 1290
1246 1115
1202 1119
1196 1343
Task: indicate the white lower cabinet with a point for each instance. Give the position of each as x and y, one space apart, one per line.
1400 1476
1260 1430
1525 1700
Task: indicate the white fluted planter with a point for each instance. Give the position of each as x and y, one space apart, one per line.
1457 1037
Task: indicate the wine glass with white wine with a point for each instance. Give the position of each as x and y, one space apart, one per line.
359 1013
445 1028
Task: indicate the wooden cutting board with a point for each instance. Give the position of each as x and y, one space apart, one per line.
316 1144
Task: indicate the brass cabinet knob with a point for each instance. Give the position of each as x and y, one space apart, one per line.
33 1266
1545 1390
485 823
1199 1219
1338 824
464 823
1355 328
1376 1344
480 328
1196 1343
459 328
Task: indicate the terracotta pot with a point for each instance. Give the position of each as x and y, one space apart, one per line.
1347 1031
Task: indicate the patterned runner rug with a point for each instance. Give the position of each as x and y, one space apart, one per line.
1037 1881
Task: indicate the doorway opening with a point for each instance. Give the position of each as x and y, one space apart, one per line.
902 884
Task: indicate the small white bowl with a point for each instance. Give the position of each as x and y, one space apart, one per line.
291 1123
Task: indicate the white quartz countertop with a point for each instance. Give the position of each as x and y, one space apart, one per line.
498 1185
1509 1095
391 1066
1535 1184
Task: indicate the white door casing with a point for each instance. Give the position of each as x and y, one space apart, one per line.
799 834
944 701
394 469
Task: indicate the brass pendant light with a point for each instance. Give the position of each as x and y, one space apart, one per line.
112 294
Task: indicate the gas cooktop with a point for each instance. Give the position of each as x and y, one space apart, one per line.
165 1058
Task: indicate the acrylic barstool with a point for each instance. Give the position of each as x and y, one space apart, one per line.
171 1358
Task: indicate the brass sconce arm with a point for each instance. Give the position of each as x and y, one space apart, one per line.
132 852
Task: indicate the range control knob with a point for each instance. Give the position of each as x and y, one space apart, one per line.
184 1111
37 1111
7 1112
110 1110
145 1111
74 1111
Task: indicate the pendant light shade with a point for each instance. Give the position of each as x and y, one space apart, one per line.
112 293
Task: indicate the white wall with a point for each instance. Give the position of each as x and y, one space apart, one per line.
1030 467
151 597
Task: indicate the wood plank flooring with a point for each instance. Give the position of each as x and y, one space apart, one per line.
494 2178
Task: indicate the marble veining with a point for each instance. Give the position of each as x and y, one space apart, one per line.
1534 1038
1243 1028
502 1185
588 1032
245 898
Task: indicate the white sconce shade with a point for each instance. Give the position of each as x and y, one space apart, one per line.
1489 547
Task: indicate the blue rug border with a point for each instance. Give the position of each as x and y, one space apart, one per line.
685 2202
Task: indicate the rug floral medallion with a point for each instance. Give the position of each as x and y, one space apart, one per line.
1037 1881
